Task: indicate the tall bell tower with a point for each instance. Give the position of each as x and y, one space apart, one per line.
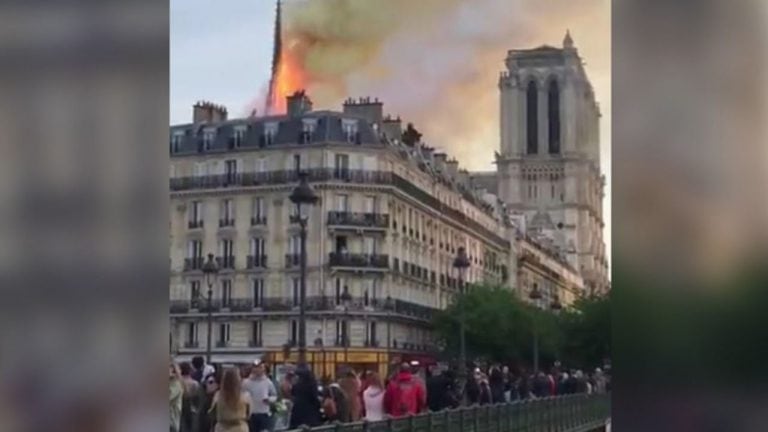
549 163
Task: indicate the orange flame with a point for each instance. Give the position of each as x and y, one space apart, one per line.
290 78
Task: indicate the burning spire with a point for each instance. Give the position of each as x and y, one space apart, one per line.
288 75
278 47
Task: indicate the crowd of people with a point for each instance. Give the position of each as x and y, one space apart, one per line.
203 399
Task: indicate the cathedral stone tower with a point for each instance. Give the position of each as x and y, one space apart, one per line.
549 164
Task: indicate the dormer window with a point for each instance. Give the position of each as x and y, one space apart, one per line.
270 131
308 126
239 136
209 135
176 139
349 126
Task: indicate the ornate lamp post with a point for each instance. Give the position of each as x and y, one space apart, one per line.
319 345
303 195
461 263
389 307
346 300
555 305
211 272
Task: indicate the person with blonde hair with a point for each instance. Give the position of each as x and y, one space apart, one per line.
231 404
350 384
176 395
373 398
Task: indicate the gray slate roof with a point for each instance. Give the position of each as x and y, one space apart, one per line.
328 129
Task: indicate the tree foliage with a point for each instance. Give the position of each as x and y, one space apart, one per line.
500 327
586 332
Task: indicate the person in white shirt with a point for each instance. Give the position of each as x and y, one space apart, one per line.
263 394
373 398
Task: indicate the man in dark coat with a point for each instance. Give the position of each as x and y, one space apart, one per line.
438 390
306 403
496 382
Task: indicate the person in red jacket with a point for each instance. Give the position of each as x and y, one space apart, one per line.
405 394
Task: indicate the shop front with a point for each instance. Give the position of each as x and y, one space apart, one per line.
332 362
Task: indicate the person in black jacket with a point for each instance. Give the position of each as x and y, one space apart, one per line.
485 397
439 390
206 420
306 401
496 382
472 388
541 386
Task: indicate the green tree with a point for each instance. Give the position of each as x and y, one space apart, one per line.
499 327
586 332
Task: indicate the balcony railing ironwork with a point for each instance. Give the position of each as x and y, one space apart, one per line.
374 261
292 260
359 220
313 304
256 261
258 220
193 224
331 174
226 262
195 263
226 223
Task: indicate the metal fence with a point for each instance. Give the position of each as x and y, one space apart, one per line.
572 413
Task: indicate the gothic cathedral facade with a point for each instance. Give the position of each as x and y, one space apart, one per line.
549 163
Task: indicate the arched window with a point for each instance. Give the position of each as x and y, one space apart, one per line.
532 116
554 117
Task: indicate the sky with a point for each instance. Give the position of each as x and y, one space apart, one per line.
446 69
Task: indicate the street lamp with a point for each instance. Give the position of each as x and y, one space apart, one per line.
319 346
389 307
535 296
346 299
461 263
555 305
303 195
211 272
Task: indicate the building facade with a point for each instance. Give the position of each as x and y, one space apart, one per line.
548 168
392 214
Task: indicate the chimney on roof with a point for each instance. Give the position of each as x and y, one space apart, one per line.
452 168
392 127
298 104
463 178
207 112
440 162
427 152
371 110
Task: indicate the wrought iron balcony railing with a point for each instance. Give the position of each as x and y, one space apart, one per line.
292 260
194 224
195 263
359 220
313 304
331 174
258 220
374 261
226 262
256 261
226 222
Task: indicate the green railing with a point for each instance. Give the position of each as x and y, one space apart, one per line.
572 413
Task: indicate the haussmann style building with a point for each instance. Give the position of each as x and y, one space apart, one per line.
391 215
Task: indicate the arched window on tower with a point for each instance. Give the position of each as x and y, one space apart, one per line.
554 117
532 117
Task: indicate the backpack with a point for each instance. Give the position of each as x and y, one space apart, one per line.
342 408
329 409
407 390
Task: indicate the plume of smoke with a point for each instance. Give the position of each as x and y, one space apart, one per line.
436 62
